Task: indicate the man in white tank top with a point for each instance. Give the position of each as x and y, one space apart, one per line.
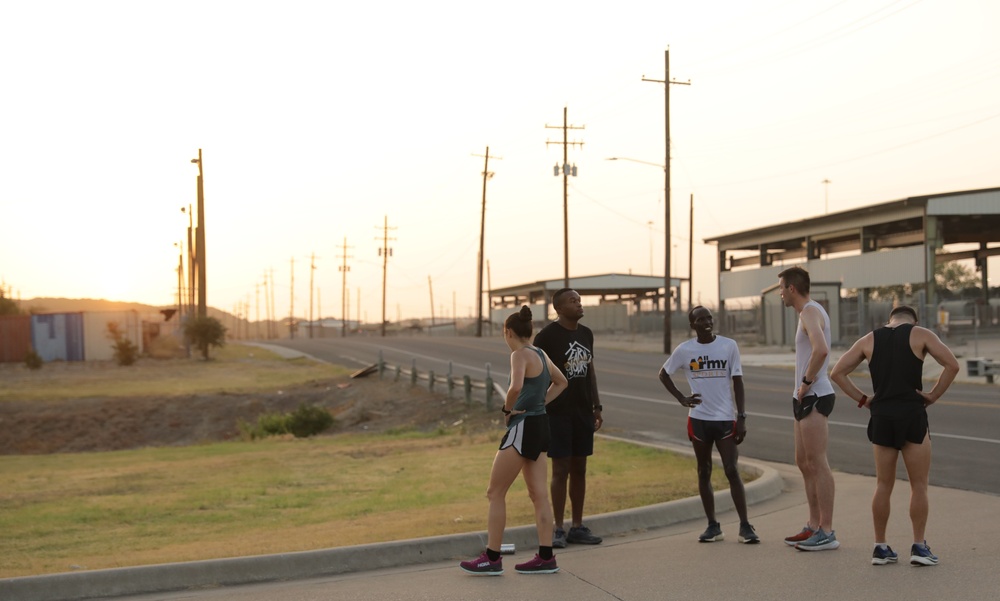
812 403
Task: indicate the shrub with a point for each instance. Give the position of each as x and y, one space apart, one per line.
33 360
125 351
272 424
302 423
165 347
308 421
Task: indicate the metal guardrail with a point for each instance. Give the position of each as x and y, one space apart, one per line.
451 382
981 367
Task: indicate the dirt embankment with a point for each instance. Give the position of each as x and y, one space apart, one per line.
106 424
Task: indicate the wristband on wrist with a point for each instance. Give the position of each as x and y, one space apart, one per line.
505 410
741 415
807 382
864 399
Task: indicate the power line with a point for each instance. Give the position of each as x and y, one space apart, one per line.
814 42
855 158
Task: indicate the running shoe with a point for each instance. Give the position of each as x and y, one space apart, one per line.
748 535
712 533
819 541
920 555
581 535
482 566
801 536
537 565
559 538
881 556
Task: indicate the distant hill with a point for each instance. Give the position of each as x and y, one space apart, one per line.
73 305
77 305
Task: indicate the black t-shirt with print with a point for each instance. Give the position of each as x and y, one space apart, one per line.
572 351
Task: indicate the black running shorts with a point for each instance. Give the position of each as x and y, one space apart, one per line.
710 431
897 430
572 436
823 404
530 437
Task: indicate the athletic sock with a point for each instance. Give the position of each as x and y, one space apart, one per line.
545 552
493 555
882 546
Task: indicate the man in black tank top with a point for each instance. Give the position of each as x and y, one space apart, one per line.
898 423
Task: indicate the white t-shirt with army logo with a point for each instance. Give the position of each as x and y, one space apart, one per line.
709 369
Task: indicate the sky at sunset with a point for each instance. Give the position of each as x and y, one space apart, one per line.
319 120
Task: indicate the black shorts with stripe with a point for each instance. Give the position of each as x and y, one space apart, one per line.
823 404
710 431
530 437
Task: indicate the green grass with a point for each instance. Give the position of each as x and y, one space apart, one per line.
157 505
103 510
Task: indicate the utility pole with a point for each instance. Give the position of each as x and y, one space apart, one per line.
690 251
202 296
344 292
430 286
826 195
246 318
273 325
291 305
482 232
566 172
666 223
385 251
489 286
312 268
267 310
256 290
191 261
180 282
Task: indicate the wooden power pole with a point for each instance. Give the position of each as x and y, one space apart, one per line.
567 170
487 175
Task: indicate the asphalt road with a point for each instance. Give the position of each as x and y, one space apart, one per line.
963 423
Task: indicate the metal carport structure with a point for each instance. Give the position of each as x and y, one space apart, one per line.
891 243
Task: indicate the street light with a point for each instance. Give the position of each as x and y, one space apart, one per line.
666 262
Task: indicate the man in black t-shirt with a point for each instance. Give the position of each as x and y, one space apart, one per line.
898 423
574 415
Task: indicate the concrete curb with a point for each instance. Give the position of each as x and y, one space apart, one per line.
327 562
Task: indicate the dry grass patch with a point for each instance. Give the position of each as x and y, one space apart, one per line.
235 368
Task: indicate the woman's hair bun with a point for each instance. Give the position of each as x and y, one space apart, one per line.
525 313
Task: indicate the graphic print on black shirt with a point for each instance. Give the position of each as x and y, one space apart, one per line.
572 352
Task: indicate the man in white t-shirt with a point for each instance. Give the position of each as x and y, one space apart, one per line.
711 364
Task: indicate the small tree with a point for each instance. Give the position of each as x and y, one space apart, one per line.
126 351
7 304
205 332
33 360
